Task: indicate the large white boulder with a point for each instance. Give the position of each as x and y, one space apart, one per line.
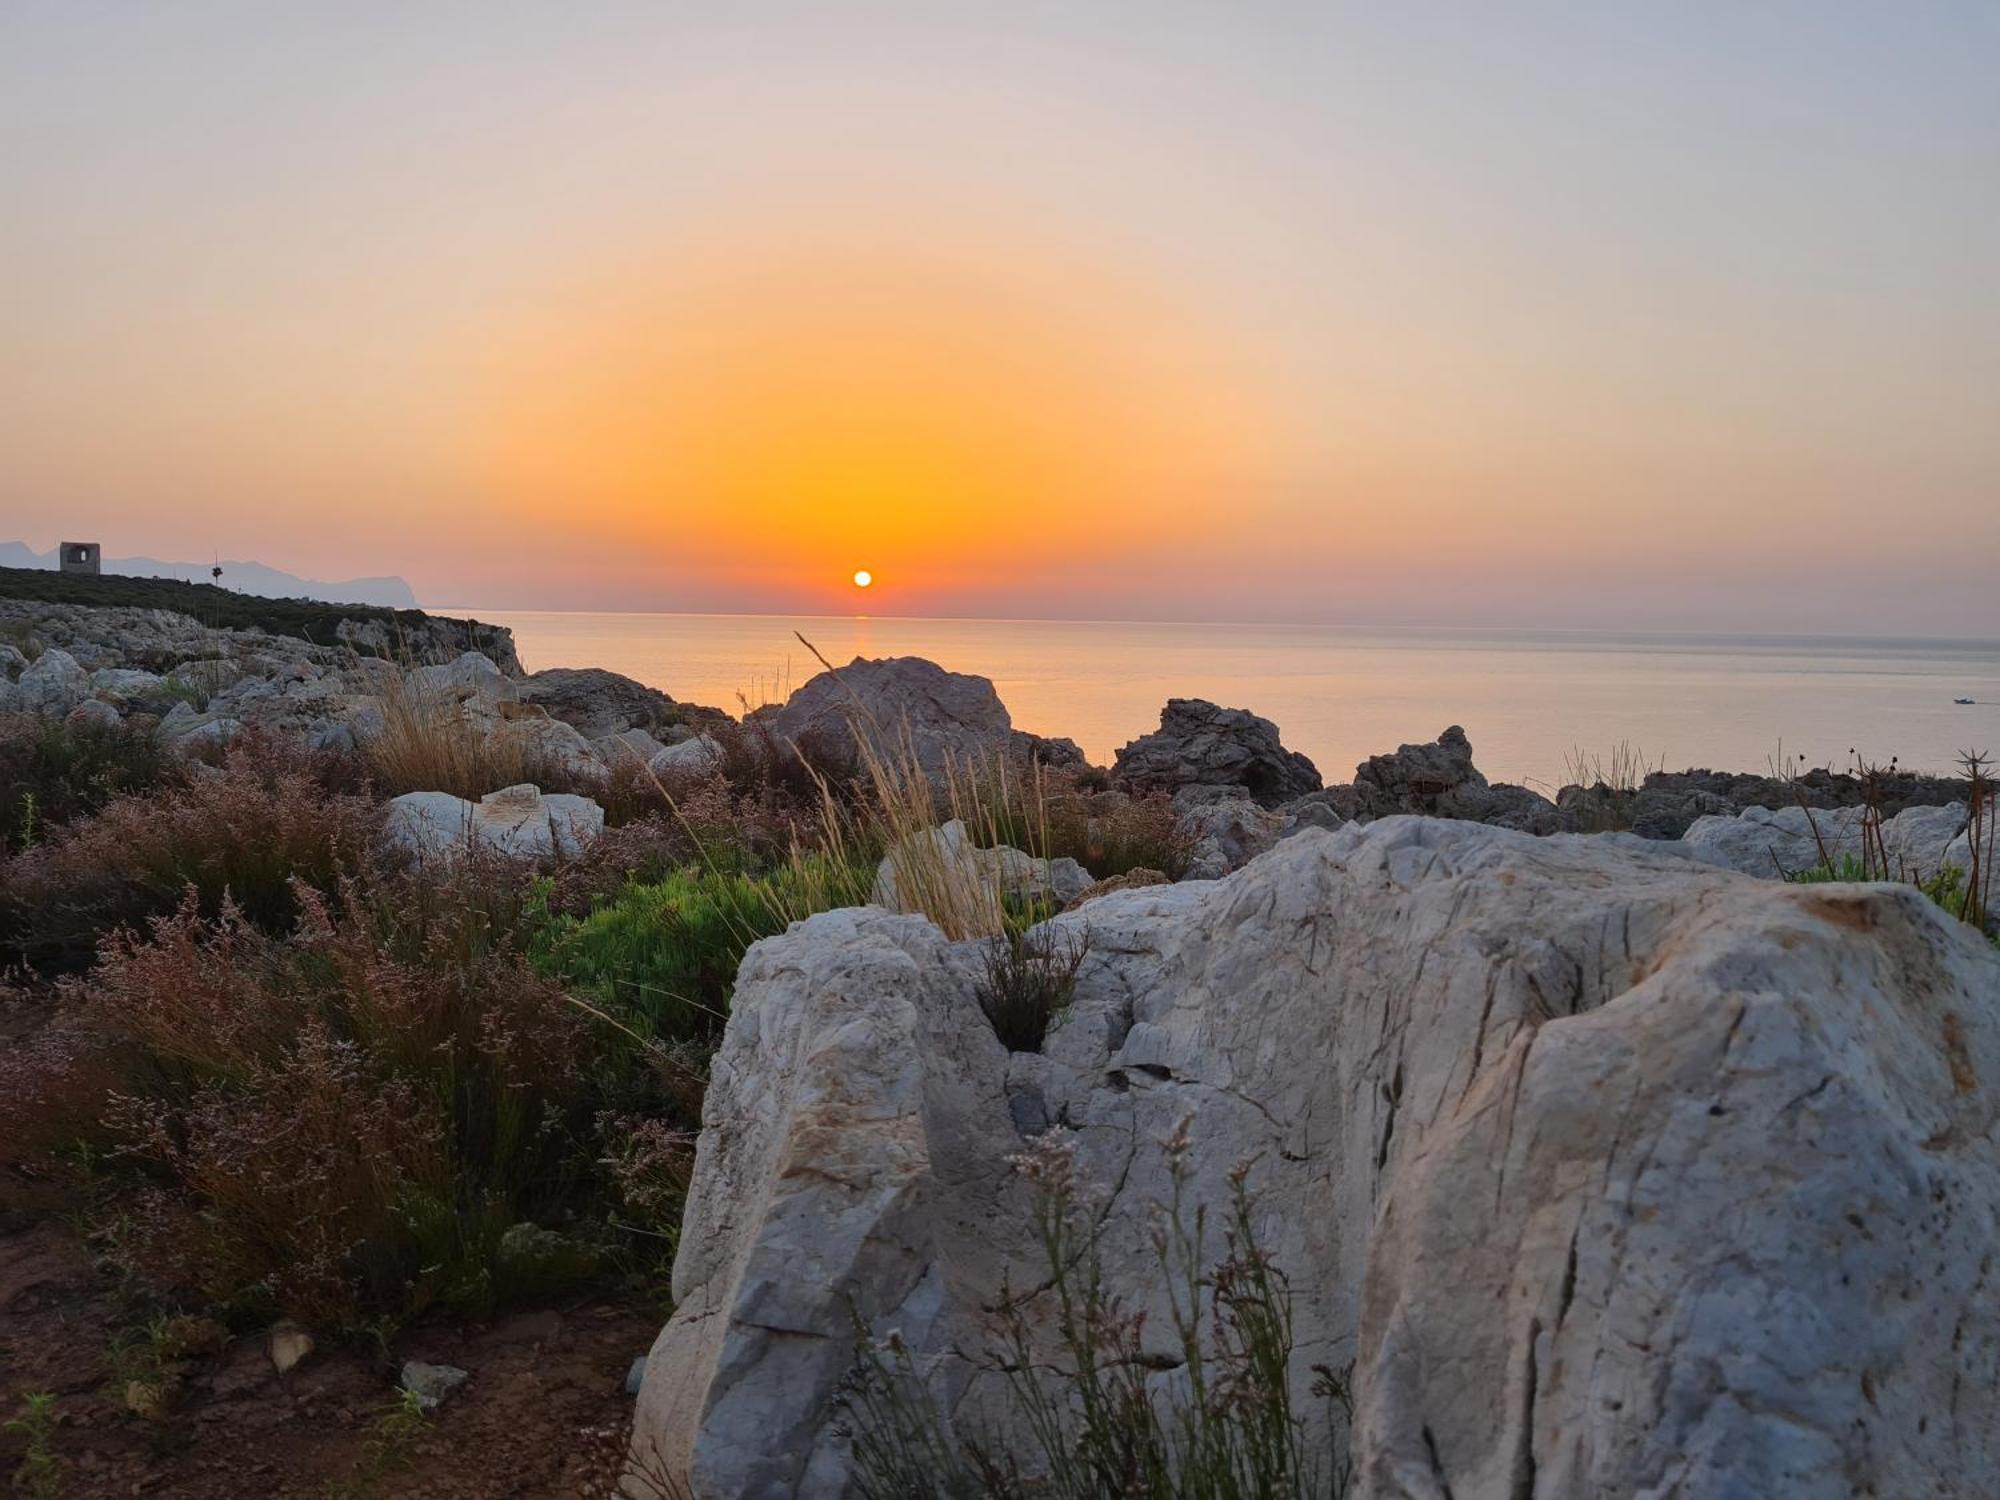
517 821
1609 1173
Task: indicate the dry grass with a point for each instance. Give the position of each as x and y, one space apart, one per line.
430 743
253 828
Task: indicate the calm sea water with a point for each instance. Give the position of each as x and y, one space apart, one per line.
1526 698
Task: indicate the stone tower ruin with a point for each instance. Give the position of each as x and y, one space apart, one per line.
81 557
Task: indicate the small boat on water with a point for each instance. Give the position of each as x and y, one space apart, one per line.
1961 700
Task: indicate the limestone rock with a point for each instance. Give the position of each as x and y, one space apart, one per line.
517 821
124 685
472 673
598 703
636 746
698 754
950 718
1758 841
944 861
1199 744
1602 1167
1224 833
1440 780
52 685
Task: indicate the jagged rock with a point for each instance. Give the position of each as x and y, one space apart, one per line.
1439 780
12 662
598 703
518 821
944 864
192 733
1601 1167
1199 744
1224 833
1959 853
951 719
1054 752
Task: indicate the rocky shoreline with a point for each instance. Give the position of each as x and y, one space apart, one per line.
1606 1144
1236 787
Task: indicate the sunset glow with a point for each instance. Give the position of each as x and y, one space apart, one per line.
1258 312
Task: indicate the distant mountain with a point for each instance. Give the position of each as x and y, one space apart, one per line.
244 577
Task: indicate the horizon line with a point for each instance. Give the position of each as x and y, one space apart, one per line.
471 611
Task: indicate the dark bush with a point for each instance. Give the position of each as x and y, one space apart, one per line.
51 775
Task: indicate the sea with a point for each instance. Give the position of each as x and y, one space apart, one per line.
1531 701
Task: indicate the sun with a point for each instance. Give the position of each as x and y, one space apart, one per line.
863 578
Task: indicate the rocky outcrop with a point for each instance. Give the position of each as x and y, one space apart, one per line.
1200 744
1440 780
520 822
1609 1174
950 719
158 640
598 703
1666 804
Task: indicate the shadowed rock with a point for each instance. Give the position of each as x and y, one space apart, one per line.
1199 744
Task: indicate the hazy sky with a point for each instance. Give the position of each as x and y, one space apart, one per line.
1678 314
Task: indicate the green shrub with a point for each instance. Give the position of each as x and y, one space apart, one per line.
666 953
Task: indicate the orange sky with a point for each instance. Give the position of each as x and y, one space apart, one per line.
785 403
1270 311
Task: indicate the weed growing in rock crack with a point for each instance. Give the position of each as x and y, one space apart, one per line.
39 1474
1029 979
1090 1417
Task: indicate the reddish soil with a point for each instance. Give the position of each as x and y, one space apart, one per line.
544 1413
